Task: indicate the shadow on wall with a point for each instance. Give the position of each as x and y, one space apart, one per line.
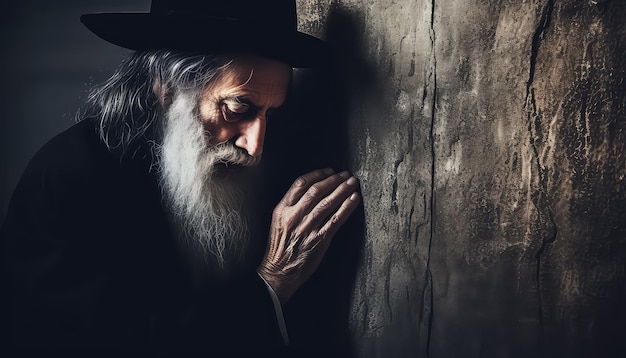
313 133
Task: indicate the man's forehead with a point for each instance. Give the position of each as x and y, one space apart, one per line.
254 77
257 71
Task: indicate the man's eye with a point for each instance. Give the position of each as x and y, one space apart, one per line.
234 110
236 106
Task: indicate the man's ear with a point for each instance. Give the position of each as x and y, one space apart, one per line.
162 93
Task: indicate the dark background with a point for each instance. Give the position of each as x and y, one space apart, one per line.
49 61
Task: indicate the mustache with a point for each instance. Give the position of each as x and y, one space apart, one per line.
228 153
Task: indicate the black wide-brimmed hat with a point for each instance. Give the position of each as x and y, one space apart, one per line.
267 28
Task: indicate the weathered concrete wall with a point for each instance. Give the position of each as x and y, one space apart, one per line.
489 137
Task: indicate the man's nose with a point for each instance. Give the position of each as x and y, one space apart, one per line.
252 135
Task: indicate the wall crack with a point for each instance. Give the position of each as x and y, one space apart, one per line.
428 299
544 23
539 198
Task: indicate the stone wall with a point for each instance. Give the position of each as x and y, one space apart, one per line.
489 137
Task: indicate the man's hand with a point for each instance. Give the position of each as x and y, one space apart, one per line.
303 225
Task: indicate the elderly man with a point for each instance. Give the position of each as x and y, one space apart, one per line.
137 229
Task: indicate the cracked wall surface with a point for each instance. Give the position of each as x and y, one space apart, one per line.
489 137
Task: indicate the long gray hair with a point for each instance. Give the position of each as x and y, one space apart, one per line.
127 106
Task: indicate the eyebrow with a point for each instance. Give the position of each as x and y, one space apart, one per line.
247 100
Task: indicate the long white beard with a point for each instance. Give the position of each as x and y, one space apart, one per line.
206 206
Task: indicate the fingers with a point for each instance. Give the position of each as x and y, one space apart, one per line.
314 196
319 191
303 225
341 215
303 183
331 225
330 203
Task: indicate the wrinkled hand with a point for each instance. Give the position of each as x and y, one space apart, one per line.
303 225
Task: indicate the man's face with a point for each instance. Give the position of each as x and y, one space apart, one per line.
236 106
206 206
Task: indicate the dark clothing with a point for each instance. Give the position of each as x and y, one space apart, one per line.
89 264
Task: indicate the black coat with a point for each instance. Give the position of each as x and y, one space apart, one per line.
89 264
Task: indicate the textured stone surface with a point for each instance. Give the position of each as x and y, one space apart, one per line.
489 138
